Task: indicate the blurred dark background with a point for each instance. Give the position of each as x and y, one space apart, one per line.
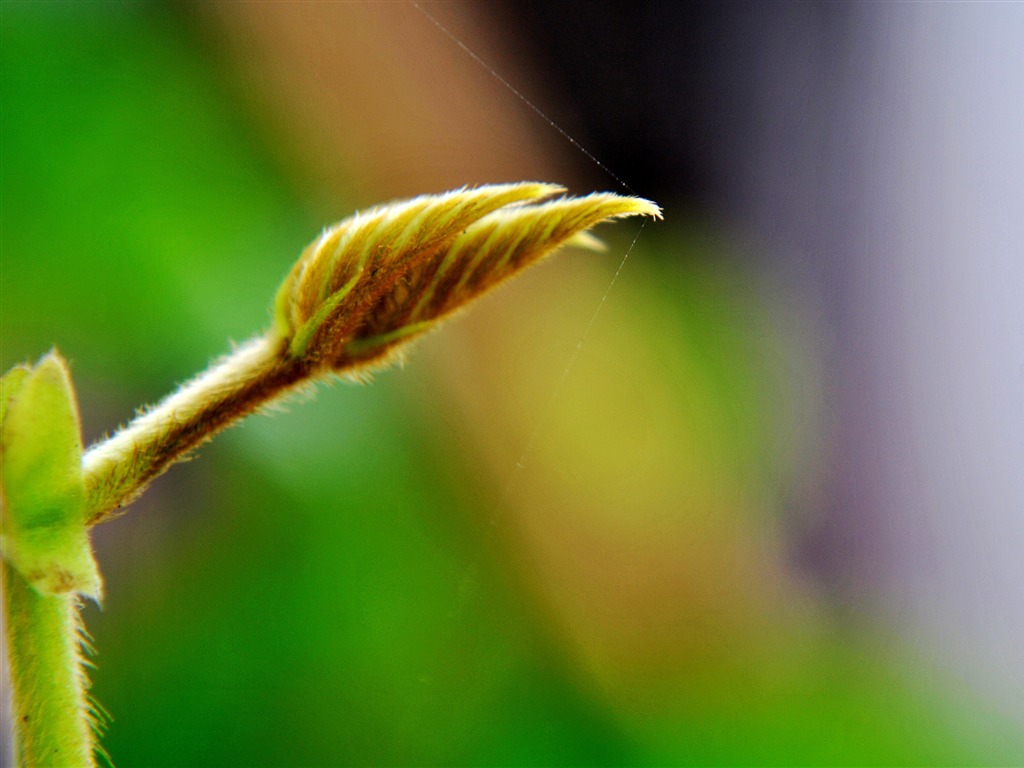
675 95
769 512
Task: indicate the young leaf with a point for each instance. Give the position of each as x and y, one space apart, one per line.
43 530
379 278
357 294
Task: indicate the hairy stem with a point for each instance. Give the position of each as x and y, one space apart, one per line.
119 468
52 718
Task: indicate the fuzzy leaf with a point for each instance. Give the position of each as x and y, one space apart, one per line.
358 293
43 527
384 276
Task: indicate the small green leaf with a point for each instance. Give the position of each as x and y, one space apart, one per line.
43 530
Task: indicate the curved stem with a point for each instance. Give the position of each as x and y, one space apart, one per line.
119 468
52 717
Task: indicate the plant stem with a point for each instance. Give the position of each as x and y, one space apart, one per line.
119 468
52 718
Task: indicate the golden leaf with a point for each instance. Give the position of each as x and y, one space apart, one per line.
384 276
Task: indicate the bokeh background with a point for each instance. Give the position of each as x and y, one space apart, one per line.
757 500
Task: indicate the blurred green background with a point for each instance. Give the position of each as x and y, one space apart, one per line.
510 552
